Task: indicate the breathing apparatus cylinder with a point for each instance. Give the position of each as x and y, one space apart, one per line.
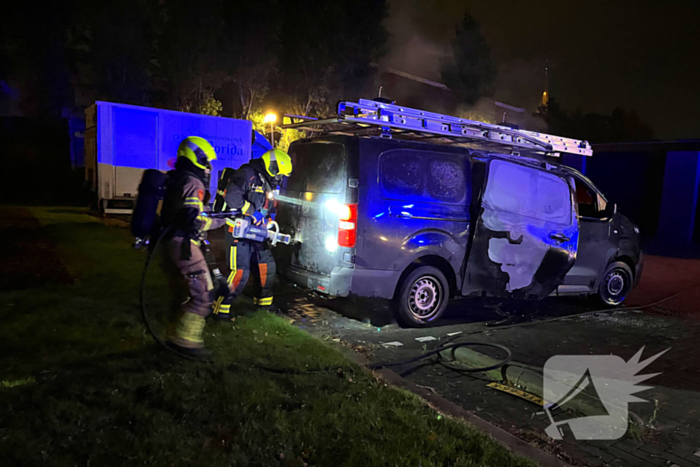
144 220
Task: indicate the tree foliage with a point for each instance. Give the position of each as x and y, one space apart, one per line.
120 40
250 41
213 56
235 59
189 52
326 52
469 73
36 56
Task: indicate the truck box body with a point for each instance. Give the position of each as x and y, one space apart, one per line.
121 141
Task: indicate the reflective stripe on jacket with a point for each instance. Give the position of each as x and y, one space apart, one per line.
183 207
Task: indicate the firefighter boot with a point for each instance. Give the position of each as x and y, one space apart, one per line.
187 340
201 353
222 308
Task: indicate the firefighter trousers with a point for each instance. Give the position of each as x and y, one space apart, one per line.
188 332
246 258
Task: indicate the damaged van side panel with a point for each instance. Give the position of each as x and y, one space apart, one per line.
526 235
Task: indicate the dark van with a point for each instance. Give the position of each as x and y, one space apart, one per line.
420 223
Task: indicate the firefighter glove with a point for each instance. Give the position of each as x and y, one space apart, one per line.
259 217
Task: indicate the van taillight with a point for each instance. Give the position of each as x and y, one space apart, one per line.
347 226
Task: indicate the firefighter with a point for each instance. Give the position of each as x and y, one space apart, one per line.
183 209
250 189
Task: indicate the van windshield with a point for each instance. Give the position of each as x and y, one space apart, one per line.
317 168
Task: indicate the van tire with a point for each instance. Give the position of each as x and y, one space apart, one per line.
422 297
616 283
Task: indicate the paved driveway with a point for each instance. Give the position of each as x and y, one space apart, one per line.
666 429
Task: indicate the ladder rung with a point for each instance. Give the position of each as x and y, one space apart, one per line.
368 113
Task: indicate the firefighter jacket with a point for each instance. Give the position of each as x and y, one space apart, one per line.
183 205
249 190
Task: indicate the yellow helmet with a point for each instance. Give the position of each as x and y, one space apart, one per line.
277 163
198 151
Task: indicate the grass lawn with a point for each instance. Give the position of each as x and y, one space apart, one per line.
82 383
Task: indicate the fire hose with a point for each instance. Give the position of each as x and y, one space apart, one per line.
242 228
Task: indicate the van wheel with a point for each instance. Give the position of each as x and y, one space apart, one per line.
422 297
616 283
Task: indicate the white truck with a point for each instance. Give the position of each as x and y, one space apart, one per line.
121 141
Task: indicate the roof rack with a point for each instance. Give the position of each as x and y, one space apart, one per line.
370 117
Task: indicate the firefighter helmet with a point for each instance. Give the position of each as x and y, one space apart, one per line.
277 163
198 151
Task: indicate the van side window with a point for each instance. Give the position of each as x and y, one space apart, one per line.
446 181
528 192
402 174
590 204
422 176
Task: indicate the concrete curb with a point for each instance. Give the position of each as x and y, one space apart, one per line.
515 444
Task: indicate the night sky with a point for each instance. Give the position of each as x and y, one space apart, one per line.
641 55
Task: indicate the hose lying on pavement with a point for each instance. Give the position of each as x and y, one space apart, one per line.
453 348
507 360
437 351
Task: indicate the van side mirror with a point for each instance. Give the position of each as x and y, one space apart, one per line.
610 209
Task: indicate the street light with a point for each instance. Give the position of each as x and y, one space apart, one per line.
271 119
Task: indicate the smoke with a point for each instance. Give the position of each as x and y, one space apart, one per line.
413 45
493 111
412 50
421 33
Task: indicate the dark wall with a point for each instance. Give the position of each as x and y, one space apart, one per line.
696 231
634 181
36 164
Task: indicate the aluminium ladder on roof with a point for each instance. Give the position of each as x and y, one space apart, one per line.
396 120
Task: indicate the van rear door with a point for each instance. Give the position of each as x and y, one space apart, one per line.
313 207
526 237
